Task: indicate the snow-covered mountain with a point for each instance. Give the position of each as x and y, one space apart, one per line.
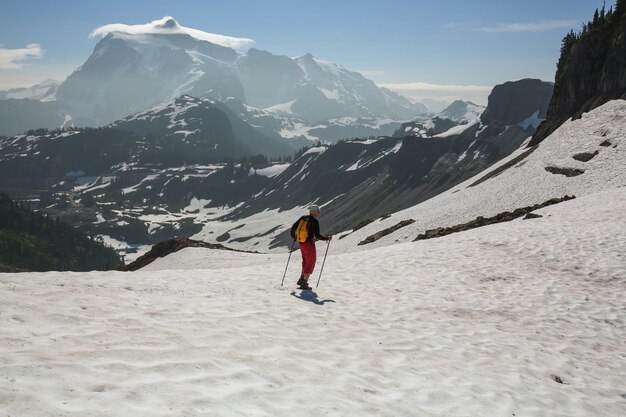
454 119
462 111
580 158
196 119
521 103
161 164
313 89
303 132
186 131
129 72
31 108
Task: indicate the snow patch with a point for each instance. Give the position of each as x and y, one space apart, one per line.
272 170
532 121
456 130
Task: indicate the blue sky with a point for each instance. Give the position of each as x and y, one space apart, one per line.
443 49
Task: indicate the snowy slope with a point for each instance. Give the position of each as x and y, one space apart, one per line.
481 323
524 184
527 182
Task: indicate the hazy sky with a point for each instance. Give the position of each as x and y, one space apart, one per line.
447 49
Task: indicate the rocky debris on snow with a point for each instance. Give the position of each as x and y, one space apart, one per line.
484 221
585 156
568 172
606 143
385 232
167 247
223 237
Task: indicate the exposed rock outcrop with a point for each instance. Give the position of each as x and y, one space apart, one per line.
484 221
585 156
590 71
517 101
568 172
167 247
385 232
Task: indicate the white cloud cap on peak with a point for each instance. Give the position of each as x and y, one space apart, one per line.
168 25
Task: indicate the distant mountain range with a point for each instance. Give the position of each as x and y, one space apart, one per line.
44 91
129 73
138 179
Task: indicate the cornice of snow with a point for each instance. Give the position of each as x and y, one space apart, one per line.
169 26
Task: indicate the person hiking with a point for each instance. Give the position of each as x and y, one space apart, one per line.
306 231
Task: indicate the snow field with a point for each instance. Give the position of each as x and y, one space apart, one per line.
478 323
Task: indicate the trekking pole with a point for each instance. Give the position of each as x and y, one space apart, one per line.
322 268
288 259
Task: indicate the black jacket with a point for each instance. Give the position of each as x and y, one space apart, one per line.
314 229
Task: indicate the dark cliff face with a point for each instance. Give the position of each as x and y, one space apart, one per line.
591 70
515 101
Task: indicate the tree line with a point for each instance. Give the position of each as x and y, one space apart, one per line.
602 19
34 241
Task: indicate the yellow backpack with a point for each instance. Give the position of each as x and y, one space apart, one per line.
302 230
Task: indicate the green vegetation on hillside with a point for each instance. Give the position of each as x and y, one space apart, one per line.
597 31
31 241
591 69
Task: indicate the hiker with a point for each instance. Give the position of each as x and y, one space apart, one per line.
306 231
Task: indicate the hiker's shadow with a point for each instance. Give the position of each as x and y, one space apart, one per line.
310 296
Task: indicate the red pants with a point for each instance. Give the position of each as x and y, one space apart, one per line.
309 256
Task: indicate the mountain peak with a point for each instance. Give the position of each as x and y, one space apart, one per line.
163 59
461 103
516 101
169 26
461 110
168 22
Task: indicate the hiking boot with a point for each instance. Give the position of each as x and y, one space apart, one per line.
303 284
